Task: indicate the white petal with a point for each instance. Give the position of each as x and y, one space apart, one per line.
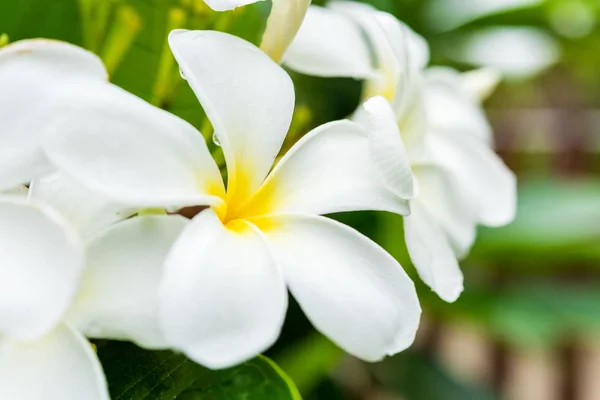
442 196
481 83
223 300
283 24
390 62
225 5
41 262
387 148
118 298
32 72
248 98
329 170
409 47
350 288
87 211
412 54
450 106
329 44
62 366
490 186
400 55
131 152
432 254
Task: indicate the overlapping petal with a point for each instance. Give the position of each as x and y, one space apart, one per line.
223 299
248 98
131 152
432 254
87 211
387 149
350 288
390 63
491 186
32 73
61 365
118 298
329 44
400 55
450 107
329 170
42 259
480 83
445 200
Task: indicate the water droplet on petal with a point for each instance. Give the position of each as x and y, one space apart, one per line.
182 74
216 140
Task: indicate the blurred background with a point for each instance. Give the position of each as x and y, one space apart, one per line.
528 323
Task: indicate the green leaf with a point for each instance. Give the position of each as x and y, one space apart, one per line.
310 361
135 374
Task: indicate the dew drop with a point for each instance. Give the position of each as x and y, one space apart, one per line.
182 74
216 140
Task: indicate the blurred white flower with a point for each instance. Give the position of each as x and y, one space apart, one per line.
224 297
461 181
450 14
518 52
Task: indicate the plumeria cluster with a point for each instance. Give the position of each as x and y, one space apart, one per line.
96 244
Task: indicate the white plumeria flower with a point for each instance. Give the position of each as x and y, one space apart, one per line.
118 293
462 182
56 286
67 270
224 297
41 356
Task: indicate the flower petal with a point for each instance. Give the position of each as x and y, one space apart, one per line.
223 300
387 149
411 53
42 259
391 62
32 72
480 83
62 366
329 44
350 288
87 211
329 170
400 55
450 106
490 185
445 201
432 254
118 298
131 152
225 5
282 25
407 44
248 98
